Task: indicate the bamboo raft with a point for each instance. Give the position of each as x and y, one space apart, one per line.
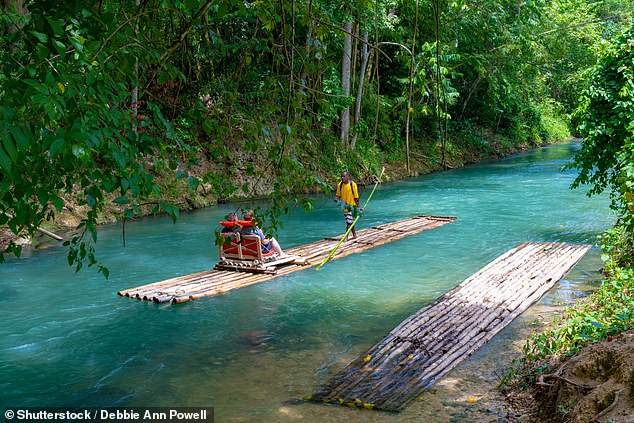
431 342
214 282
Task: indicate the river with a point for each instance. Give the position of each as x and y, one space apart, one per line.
67 339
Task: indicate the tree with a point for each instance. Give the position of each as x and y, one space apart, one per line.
346 66
277 81
365 57
68 128
606 158
606 115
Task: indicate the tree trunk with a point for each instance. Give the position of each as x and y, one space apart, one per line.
364 66
19 8
135 90
345 82
408 130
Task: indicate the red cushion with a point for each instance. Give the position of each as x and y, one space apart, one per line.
249 248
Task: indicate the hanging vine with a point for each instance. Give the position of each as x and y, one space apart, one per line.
291 59
408 130
376 69
441 114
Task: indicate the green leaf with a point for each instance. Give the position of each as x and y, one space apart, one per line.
5 161
57 202
121 200
42 51
56 146
171 210
104 270
22 136
60 47
10 149
42 197
193 183
50 81
42 38
56 25
120 158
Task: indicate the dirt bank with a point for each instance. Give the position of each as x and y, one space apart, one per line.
595 385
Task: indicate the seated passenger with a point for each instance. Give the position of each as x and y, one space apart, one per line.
230 225
268 243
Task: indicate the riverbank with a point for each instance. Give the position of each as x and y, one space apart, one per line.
580 367
594 385
66 221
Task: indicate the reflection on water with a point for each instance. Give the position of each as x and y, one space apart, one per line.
67 339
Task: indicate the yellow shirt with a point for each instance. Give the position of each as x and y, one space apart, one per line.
348 192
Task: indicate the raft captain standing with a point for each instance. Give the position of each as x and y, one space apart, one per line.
348 193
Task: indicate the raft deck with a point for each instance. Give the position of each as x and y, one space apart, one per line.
431 342
213 282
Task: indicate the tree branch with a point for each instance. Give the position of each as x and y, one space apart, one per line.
565 28
172 48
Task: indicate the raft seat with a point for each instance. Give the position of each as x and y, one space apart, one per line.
243 247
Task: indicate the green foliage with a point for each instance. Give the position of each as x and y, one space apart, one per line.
605 161
471 140
617 245
609 310
606 118
251 92
554 122
68 129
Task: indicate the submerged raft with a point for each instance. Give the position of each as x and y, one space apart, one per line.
213 282
431 342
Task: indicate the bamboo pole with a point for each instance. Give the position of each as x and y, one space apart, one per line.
40 230
343 238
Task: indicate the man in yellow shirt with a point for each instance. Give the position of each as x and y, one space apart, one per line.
348 193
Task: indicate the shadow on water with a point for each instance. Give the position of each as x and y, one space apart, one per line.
67 339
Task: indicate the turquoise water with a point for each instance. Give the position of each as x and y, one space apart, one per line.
68 339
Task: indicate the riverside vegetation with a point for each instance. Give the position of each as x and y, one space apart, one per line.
597 382
135 106
119 109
